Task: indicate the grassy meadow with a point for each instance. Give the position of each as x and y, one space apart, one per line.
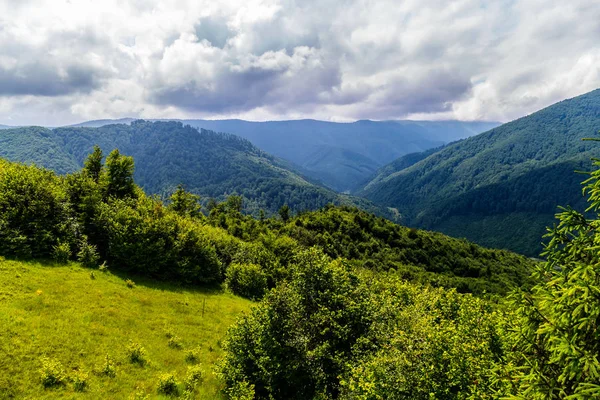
78 317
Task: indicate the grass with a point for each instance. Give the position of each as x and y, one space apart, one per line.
61 313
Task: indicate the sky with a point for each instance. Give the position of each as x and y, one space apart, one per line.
63 62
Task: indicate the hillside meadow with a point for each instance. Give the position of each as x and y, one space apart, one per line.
78 316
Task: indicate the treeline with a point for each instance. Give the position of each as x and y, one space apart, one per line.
100 214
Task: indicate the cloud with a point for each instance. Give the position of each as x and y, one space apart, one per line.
64 61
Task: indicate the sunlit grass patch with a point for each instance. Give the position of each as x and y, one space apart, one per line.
50 312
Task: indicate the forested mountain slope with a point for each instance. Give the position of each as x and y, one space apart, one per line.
341 155
500 188
169 153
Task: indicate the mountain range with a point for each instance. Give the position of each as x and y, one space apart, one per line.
169 153
500 188
339 155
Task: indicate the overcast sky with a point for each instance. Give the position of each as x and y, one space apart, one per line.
63 62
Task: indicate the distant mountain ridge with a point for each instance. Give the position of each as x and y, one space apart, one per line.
341 155
500 188
169 153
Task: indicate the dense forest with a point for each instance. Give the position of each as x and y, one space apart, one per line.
213 165
349 305
510 179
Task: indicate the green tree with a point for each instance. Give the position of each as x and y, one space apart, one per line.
93 164
553 333
119 171
284 213
235 204
185 203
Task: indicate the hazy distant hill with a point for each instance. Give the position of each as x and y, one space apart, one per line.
341 155
502 187
168 153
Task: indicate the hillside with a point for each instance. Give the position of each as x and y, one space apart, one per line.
500 188
341 155
60 312
169 153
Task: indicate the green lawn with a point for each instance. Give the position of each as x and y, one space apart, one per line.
60 312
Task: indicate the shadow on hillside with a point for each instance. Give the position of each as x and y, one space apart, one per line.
140 280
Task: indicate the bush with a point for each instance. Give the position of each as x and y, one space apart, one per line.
52 373
145 237
61 253
35 212
80 381
192 356
167 385
246 280
108 369
175 342
194 377
130 284
87 255
136 354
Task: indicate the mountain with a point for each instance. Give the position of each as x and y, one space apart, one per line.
169 153
500 188
341 155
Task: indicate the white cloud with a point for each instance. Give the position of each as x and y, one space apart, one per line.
64 61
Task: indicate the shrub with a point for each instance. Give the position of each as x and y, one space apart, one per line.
130 284
35 212
87 255
52 373
136 354
167 385
192 356
246 280
194 377
108 369
80 381
61 253
175 342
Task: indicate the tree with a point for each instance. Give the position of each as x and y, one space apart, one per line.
284 213
185 203
554 334
119 171
235 204
93 164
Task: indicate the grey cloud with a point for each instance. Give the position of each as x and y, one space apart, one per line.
42 80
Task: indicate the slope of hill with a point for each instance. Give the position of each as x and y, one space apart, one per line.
500 188
60 312
341 155
169 153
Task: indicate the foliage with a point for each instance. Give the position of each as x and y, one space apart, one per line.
80 381
185 203
34 212
137 354
167 385
330 333
246 280
525 167
61 252
87 255
416 255
552 330
119 175
52 373
108 367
